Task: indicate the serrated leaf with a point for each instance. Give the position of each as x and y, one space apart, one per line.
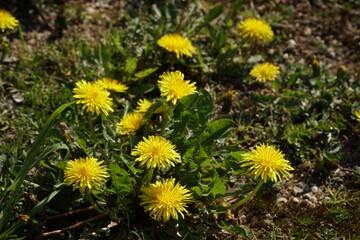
217 187
120 179
215 130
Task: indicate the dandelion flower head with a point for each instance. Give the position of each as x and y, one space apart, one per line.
143 105
266 162
156 152
357 114
83 173
165 199
7 21
173 86
130 123
94 98
256 30
265 72
112 84
177 44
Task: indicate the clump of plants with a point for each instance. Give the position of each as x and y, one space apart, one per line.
138 151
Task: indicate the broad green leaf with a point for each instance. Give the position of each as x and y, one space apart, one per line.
213 13
120 179
215 130
184 104
217 187
131 65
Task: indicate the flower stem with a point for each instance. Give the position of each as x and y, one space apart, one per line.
92 129
93 203
149 176
248 197
93 136
164 124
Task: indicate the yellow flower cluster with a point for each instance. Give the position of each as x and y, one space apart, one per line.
95 96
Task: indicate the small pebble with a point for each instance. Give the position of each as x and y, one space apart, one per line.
268 222
297 190
310 196
307 31
291 43
243 219
327 199
281 200
314 189
296 200
309 203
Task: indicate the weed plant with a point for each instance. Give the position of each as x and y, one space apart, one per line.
158 158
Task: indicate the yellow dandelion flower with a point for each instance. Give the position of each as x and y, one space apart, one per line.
165 199
156 152
265 72
112 84
83 173
357 114
7 21
130 123
173 86
143 105
256 30
95 98
266 162
177 44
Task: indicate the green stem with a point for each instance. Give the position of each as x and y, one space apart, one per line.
164 124
24 46
93 136
248 197
149 176
92 129
93 203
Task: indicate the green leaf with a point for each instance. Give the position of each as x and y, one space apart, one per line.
217 187
213 13
215 130
145 73
184 104
120 179
131 65
237 155
30 161
14 227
